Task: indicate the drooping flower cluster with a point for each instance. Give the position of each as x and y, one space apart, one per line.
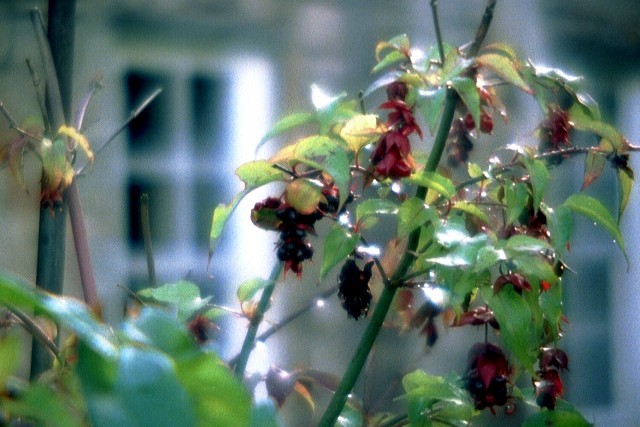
392 155
461 135
549 385
276 214
487 376
554 132
354 288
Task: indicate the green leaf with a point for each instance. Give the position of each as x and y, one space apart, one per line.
217 398
583 121
249 288
471 209
392 57
158 330
254 174
374 207
595 210
556 418
431 102
514 316
551 305
360 131
474 170
382 81
516 197
338 244
399 42
412 214
258 173
42 406
468 92
286 124
183 295
433 181
463 254
535 269
539 175
69 312
523 244
625 182
505 68
9 357
593 167
488 257
560 226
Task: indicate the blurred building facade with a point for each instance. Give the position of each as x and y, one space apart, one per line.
228 69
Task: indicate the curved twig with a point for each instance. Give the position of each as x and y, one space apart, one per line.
471 49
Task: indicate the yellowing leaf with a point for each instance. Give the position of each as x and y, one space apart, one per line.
303 195
361 130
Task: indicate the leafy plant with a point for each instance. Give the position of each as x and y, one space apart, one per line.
481 241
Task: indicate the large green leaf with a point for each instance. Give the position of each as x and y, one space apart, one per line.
505 68
551 305
184 296
264 414
556 418
371 208
254 174
593 167
514 316
523 244
338 244
471 209
250 287
9 357
286 124
539 175
516 196
625 183
390 58
69 312
462 254
431 102
595 210
583 121
559 224
468 92
412 214
216 396
434 181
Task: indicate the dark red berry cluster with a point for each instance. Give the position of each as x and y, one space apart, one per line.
549 385
354 288
392 155
487 376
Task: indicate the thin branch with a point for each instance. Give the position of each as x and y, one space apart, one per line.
436 24
35 330
14 125
289 318
376 260
263 305
81 243
146 238
471 49
56 112
37 84
135 113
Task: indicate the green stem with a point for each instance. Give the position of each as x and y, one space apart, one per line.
388 292
263 306
57 58
436 24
